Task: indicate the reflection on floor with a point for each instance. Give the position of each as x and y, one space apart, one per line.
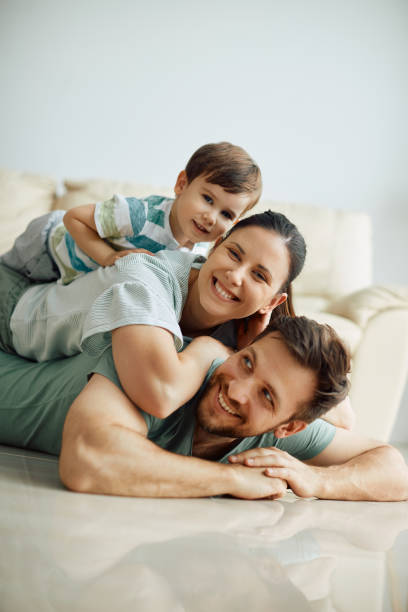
73 552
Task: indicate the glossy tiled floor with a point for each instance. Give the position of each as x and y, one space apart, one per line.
72 552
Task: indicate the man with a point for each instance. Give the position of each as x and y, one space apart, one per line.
263 396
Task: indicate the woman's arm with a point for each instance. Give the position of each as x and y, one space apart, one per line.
341 415
105 450
153 374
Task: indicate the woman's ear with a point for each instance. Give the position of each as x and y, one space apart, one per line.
181 182
276 301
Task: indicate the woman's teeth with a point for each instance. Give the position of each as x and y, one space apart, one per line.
225 405
226 295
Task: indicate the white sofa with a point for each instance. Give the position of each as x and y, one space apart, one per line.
335 286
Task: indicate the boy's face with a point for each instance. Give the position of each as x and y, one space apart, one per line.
203 211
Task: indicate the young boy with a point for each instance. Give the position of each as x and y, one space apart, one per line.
219 184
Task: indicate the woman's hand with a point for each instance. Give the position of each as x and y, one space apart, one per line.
250 328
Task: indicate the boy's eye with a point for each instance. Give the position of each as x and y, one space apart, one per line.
227 215
207 198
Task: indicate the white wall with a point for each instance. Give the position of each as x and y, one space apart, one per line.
316 90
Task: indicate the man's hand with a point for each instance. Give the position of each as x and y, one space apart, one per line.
254 484
303 479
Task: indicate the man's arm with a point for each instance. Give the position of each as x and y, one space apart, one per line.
350 468
105 450
153 374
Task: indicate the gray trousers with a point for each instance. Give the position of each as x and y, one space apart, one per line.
30 255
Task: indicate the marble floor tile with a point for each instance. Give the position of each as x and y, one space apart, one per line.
74 552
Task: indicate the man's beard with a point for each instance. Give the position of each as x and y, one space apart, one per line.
204 420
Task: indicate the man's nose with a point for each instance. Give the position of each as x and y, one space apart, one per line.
239 390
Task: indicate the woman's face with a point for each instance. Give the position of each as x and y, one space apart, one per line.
243 274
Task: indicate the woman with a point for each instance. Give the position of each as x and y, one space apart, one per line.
144 304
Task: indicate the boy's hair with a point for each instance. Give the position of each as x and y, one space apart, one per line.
229 166
318 348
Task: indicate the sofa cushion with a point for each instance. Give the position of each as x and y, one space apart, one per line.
96 190
338 248
23 196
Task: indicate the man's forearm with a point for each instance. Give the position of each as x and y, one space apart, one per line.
376 475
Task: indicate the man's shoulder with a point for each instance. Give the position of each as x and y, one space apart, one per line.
303 445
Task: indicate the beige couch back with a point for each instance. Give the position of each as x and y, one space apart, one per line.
339 255
339 242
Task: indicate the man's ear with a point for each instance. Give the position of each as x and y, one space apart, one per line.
288 429
181 182
276 301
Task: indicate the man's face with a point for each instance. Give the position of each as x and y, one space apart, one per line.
256 390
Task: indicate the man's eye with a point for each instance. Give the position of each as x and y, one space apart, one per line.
268 396
207 198
227 215
247 363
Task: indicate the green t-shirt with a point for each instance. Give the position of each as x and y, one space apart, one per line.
35 399
175 433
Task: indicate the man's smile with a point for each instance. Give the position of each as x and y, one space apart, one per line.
225 406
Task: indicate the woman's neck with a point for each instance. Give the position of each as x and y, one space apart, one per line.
195 321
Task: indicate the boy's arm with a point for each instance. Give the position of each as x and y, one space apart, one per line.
105 450
153 374
80 223
341 415
351 467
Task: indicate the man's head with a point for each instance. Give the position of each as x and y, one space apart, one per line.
293 373
219 184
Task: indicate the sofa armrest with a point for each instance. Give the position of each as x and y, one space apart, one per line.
362 305
380 361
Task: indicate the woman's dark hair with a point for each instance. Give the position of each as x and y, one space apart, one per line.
295 243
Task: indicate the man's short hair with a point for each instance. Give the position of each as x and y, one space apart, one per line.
229 166
318 348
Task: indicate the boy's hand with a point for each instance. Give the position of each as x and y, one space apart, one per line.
112 257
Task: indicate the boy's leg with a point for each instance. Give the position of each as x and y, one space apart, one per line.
29 254
12 287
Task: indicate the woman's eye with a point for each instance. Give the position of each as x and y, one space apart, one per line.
234 254
227 214
207 198
259 276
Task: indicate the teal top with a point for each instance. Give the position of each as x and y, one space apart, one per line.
35 398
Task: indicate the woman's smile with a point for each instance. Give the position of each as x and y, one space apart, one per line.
222 292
